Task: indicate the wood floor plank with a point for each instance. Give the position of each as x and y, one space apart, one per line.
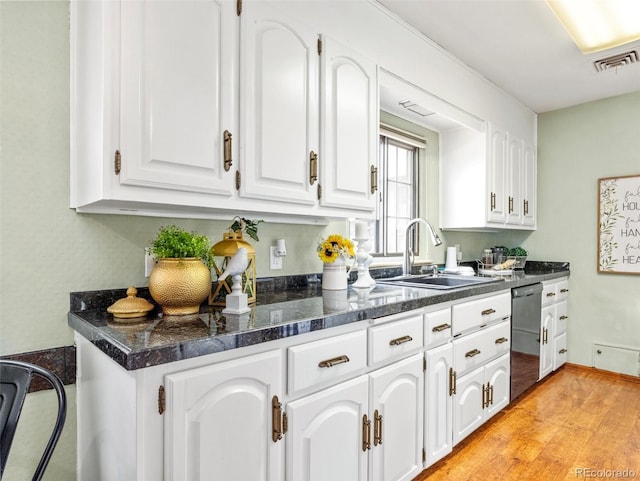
578 423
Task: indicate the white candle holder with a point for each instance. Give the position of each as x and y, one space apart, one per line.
363 260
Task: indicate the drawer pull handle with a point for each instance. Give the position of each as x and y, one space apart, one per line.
334 361
441 327
562 318
472 353
501 340
564 290
551 294
562 351
400 340
486 312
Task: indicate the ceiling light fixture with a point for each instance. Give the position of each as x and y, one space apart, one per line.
596 25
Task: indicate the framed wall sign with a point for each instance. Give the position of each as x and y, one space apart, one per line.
619 225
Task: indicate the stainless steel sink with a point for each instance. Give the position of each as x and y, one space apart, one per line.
439 282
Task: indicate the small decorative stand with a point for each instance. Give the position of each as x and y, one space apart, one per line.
237 300
363 259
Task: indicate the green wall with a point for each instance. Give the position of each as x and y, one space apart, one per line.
47 250
576 147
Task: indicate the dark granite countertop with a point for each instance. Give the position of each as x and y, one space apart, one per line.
286 307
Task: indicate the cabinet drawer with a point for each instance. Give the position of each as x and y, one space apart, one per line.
475 349
395 339
561 317
559 351
562 290
437 327
326 361
549 293
474 314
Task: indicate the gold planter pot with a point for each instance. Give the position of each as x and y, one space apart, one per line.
180 285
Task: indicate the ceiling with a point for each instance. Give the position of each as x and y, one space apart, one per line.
520 46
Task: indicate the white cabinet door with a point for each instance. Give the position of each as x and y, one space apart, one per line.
546 340
529 185
438 393
498 377
349 119
396 407
515 169
219 420
178 62
468 404
496 175
278 106
325 438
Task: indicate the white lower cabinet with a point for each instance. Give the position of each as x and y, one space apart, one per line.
479 395
438 430
367 428
363 402
553 330
219 420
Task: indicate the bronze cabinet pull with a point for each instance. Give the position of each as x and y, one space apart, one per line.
374 179
332 362
493 201
564 290
441 327
551 294
453 378
377 428
228 160
510 205
562 318
526 207
501 340
472 353
486 312
366 433
400 340
562 351
313 167
278 420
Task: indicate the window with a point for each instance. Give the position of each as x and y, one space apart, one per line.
398 196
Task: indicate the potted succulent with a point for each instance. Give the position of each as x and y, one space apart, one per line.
181 278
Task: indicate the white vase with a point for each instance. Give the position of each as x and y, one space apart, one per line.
334 275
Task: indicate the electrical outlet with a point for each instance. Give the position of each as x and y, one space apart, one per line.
275 262
149 261
275 317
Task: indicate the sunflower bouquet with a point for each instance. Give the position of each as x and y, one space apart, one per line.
335 246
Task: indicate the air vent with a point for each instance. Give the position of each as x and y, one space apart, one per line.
615 61
415 108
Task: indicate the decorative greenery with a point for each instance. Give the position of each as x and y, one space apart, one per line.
517 251
174 242
249 226
333 247
609 214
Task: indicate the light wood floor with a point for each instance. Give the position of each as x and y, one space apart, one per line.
574 425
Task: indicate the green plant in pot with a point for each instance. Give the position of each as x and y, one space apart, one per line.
181 279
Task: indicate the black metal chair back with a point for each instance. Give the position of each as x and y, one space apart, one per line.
15 379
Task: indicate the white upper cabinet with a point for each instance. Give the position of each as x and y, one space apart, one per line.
151 96
497 174
279 101
487 180
349 128
176 93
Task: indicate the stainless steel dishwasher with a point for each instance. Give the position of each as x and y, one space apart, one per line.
526 302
